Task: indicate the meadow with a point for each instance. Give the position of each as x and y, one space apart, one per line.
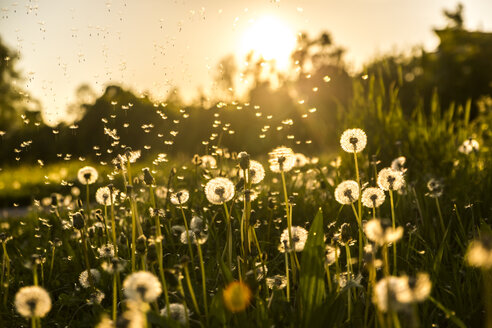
390 230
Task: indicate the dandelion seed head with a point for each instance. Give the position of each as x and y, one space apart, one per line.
219 190
106 251
180 197
299 237
282 159
276 282
331 254
32 301
87 175
479 252
84 278
380 234
256 172
468 146
103 196
373 197
300 160
389 179
347 192
353 140
388 290
177 312
142 286
398 164
435 188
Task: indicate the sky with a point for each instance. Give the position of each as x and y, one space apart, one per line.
153 45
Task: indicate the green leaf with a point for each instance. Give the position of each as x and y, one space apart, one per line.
311 281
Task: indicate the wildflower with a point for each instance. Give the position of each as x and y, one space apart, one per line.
114 265
398 164
208 161
435 188
32 301
105 322
148 178
96 297
468 146
373 197
479 252
103 196
84 278
331 254
276 282
219 190
346 278
87 175
347 192
261 270
78 221
195 237
177 312
75 191
134 317
161 192
131 155
282 159
256 172
382 234
299 237
244 160
180 197
389 179
300 160
388 291
419 289
353 140
106 251
142 286
237 296
343 236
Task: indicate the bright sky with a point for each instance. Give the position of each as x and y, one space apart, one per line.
154 44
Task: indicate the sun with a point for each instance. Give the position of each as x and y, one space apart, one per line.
270 38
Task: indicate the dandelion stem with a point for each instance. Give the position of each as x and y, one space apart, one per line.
86 257
87 205
287 275
106 223
229 236
392 204
115 297
190 287
134 236
328 277
359 224
204 283
188 240
5 268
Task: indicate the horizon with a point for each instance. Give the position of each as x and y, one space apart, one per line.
139 47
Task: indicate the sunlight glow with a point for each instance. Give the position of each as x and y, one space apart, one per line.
270 38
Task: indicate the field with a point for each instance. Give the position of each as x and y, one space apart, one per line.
379 234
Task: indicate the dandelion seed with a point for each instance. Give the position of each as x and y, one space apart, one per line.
299 237
142 286
84 278
177 312
331 254
468 146
237 296
87 175
347 192
387 291
219 190
389 179
353 140
282 159
276 282
180 197
373 197
32 301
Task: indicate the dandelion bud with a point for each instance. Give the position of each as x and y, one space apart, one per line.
78 221
148 178
141 244
197 161
79 203
129 190
345 233
122 239
244 160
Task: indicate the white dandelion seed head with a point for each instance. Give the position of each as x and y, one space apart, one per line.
282 159
177 312
261 270
299 237
353 140
32 301
276 282
419 289
96 297
106 251
479 253
84 278
381 235
256 172
180 197
398 164
347 192
131 156
142 286
388 291
373 197
161 192
209 162
87 175
468 146
331 254
300 160
194 236
389 179
197 224
435 188
219 190
103 196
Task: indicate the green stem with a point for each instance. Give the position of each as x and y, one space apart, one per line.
393 220
190 287
115 298
443 227
188 240
287 275
204 283
229 236
86 257
113 226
